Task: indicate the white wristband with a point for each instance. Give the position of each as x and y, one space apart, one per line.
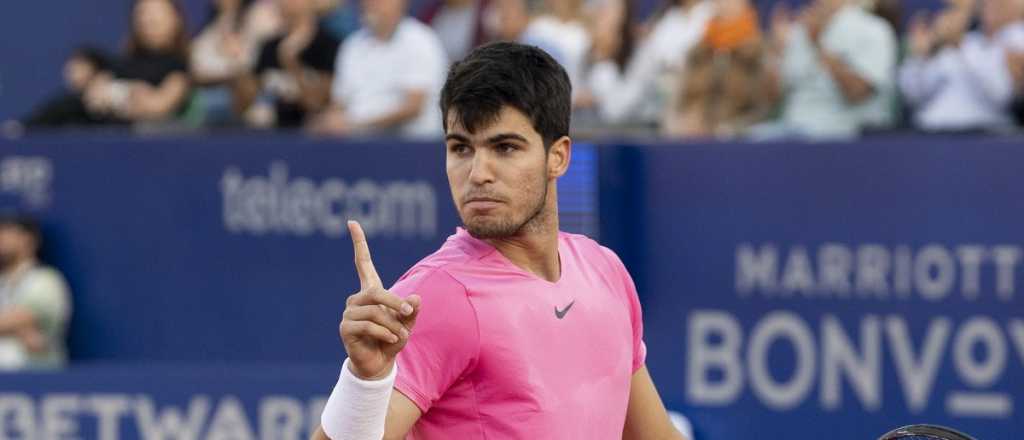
357 408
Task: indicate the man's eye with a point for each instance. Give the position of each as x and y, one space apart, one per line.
459 149
505 148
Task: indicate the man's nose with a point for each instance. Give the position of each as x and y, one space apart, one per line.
482 170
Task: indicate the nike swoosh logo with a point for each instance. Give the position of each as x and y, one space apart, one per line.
561 313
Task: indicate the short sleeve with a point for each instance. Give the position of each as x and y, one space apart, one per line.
45 295
445 340
635 311
871 52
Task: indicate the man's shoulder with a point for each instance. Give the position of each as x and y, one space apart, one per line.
592 251
442 267
47 274
416 35
856 18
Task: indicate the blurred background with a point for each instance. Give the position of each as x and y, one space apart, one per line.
820 202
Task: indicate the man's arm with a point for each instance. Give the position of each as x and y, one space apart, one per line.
402 415
854 87
411 107
16 319
646 417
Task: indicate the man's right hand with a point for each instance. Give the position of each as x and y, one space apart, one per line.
376 324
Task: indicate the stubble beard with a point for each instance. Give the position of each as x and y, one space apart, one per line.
507 227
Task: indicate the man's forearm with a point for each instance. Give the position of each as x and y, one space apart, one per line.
853 87
16 319
407 111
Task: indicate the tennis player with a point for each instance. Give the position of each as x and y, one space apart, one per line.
512 329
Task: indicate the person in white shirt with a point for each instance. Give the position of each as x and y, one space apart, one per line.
387 78
836 74
956 80
35 304
639 92
560 32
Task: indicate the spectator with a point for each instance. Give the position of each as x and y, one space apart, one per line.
505 20
956 80
636 93
34 301
222 52
720 92
68 108
151 82
560 31
293 70
458 23
837 72
389 75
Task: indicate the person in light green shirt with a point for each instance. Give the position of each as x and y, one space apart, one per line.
34 301
836 72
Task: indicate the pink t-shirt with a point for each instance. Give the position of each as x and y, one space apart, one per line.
499 353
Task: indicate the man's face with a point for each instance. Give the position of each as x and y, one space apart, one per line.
15 244
383 13
499 175
78 71
995 14
156 22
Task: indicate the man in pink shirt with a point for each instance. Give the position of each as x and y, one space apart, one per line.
513 329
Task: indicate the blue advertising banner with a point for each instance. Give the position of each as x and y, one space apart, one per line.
179 402
227 249
828 291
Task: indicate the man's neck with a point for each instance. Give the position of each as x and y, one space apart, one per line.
302 23
535 252
384 33
17 267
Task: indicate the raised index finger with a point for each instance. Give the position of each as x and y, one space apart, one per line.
364 264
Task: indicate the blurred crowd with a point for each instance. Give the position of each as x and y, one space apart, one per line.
693 69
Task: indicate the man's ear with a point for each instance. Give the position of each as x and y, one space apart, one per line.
559 156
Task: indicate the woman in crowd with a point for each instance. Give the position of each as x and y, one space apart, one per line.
960 80
225 49
720 90
151 81
637 92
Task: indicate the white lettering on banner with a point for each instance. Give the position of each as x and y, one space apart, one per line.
17 415
108 409
280 204
29 177
229 422
840 359
58 416
170 424
756 270
1007 258
917 373
774 326
718 366
62 416
985 331
873 271
704 356
281 418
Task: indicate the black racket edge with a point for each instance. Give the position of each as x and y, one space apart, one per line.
927 431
